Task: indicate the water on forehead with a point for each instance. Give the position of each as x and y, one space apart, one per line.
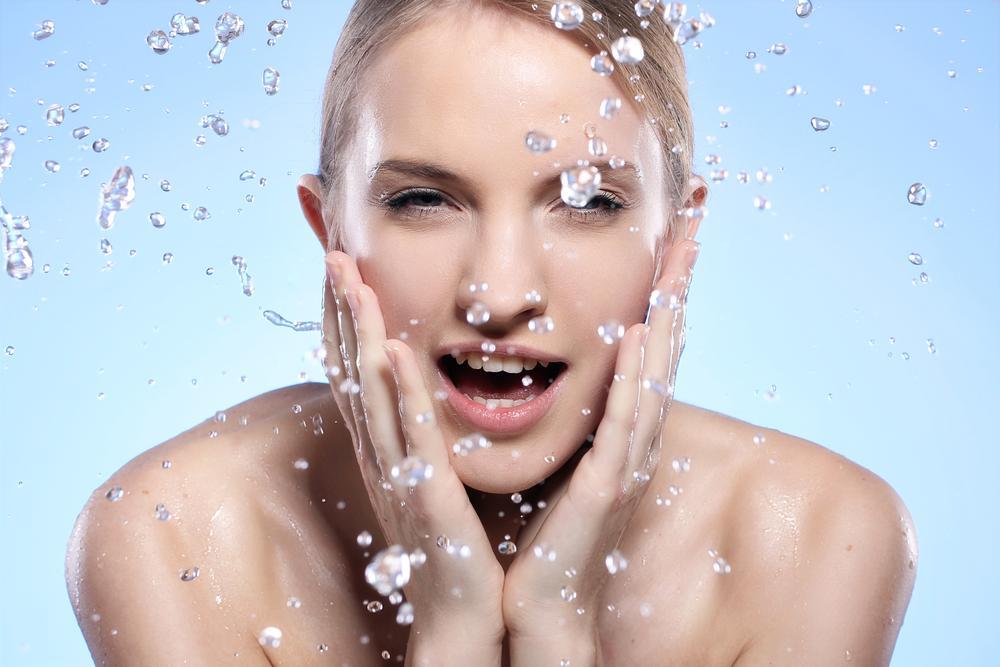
471 88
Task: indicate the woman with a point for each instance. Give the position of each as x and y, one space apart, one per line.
473 266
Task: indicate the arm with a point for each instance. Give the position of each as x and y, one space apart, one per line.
859 557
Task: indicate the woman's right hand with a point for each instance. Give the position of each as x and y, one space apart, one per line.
457 592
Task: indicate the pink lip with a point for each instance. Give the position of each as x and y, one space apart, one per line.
502 421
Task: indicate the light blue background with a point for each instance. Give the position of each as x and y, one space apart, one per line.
805 296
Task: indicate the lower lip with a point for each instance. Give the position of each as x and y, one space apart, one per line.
502 421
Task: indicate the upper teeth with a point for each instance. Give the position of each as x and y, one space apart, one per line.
494 364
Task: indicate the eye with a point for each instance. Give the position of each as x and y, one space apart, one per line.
614 206
403 203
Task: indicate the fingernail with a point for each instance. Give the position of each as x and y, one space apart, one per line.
333 269
390 352
352 299
692 254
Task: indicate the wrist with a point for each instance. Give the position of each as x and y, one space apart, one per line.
579 649
457 643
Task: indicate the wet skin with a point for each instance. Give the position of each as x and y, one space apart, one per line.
822 551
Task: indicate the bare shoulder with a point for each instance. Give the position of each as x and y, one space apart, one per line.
828 547
170 545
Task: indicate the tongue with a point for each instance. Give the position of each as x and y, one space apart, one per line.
500 385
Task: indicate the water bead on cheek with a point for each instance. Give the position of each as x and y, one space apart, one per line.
610 106
539 142
541 325
611 332
602 64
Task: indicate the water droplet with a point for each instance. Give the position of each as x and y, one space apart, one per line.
627 50
271 78
114 494
161 512
803 8
52 166
270 637
374 606
183 25
277 27
541 324
81 132
404 615
168 257
819 124
190 574
201 214
611 332
246 281
286 4
917 194
247 175
539 142
228 27
567 593
933 143
389 570
477 314
217 53
116 195
681 464
550 459
471 442
952 74
364 539
412 471
55 115
158 41
778 49
602 64
915 259
566 15
610 106
868 88
615 562
157 220
218 124
45 31
579 185
794 90
507 548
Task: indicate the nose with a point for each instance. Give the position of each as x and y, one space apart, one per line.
504 287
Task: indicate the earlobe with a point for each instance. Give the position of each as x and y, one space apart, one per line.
311 201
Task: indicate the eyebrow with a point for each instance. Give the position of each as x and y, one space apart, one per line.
627 175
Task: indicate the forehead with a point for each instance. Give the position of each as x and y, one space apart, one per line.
464 88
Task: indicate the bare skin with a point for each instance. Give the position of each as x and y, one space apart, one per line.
822 551
800 526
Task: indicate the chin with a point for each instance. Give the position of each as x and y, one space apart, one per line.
507 468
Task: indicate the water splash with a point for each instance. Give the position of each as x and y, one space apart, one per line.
116 196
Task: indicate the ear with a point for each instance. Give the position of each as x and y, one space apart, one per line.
696 196
311 200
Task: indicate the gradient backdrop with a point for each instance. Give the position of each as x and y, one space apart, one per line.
804 317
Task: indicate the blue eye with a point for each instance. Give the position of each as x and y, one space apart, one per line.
418 203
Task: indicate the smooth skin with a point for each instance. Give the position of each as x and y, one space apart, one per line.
823 552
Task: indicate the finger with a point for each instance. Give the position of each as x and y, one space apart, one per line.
378 397
660 355
333 364
614 433
343 327
416 410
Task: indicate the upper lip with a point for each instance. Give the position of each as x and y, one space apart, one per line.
502 348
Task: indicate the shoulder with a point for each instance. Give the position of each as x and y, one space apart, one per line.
830 548
153 542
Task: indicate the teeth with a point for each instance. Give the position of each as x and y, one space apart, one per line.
494 403
494 364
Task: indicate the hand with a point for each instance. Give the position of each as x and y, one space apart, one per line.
460 584
540 600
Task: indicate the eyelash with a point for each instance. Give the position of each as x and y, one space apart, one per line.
398 205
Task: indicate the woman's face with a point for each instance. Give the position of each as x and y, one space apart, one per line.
461 93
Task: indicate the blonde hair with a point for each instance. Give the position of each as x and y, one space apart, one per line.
657 84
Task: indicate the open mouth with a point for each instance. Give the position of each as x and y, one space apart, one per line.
519 382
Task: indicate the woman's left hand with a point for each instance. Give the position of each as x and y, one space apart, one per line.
553 588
